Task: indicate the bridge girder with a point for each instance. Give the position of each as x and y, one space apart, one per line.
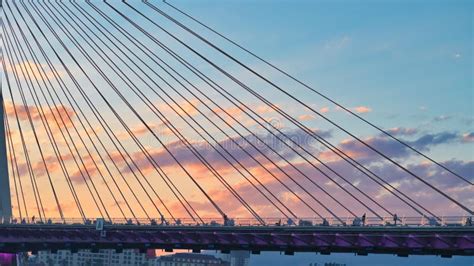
443 241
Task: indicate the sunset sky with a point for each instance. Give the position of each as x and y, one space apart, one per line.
406 67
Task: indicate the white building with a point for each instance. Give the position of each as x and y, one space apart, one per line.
86 257
126 258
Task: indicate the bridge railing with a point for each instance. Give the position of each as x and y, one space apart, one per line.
310 221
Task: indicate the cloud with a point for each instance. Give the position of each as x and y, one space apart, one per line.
139 130
86 171
442 118
429 140
402 131
389 147
66 112
390 173
324 110
306 117
437 177
362 109
51 163
247 144
358 109
265 109
235 111
183 107
405 183
468 137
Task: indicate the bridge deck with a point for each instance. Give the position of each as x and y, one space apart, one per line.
400 240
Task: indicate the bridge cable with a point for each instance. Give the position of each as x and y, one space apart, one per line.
238 122
105 165
80 9
191 68
12 158
34 131
40 149
37 196
275 151
27 42
173 129
212 110
42 115
317 92
62 85
34 186
97 115
67 50
296 195
164 121
325 143
282 182
297 100
43 74
185 200
105 209
91 141
109 59
61 82
129 188
155 61
198 109
136 114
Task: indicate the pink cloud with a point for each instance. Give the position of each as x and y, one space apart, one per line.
402 131
468 137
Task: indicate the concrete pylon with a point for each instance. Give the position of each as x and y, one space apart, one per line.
5 200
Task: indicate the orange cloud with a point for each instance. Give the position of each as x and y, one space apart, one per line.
265 109
232 111
190 107
32 69
362 109
59 111
140 130
324 110
89 169
358 109
305 117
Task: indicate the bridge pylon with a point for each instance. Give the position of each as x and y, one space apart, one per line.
5 201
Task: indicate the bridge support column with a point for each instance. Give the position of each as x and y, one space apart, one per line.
5 200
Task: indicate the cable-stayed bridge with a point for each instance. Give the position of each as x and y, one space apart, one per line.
135 125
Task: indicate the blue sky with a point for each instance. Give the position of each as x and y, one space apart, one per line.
411 62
